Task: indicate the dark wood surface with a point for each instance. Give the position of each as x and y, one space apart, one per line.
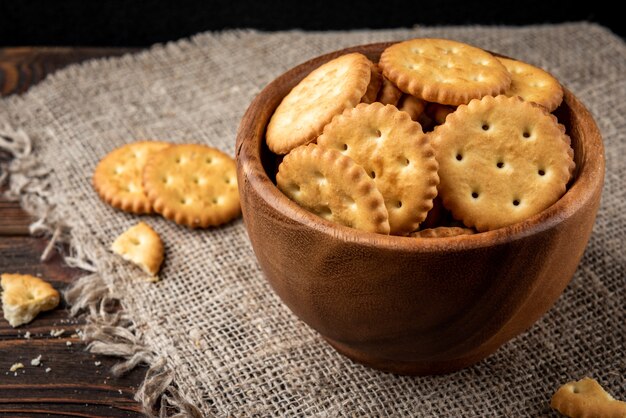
70 382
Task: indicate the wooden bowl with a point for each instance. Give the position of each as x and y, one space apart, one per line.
414 305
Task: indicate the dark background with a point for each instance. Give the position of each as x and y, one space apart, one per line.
141 23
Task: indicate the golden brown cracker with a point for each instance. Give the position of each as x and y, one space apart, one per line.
312 103
412 105
388 93
587 399
395 152
442 232
438 112
374 86
117 177
141 245
25 296
193 185
334 187
501 160
443 71
533 84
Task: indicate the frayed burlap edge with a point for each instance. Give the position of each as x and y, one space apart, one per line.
108 329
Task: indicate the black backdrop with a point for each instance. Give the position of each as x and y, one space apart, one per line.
141 23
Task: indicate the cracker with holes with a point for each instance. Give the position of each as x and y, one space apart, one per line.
325 92
193 185
501 160
395 153
533 84
587 399
334 187
117 177
443 71
25 296
141 245
442 232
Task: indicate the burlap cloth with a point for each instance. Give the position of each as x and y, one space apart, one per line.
217 339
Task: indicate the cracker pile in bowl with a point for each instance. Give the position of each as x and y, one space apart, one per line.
437 139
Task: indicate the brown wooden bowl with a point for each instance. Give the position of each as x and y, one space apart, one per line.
414 305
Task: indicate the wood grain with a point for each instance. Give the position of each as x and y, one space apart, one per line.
78 383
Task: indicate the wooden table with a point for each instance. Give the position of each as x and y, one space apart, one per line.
70 382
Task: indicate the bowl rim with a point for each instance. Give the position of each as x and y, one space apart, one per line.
588 181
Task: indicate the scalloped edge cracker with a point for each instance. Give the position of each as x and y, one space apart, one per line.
325 92
395 153
443 71
192 184
501 161
118 176
334 187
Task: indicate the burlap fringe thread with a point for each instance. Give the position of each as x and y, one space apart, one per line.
108 329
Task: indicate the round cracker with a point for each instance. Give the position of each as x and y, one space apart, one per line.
118 176
443 71
533 84
334 187
312 103
501 160
193 185
395 152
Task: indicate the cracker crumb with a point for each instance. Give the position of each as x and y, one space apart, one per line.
57 332
16 366
97 363
120 391
48 369
27 335
68 343
36 361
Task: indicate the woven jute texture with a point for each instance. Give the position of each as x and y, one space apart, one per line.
218 340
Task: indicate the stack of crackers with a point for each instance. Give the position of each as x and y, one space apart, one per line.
439 138
191 184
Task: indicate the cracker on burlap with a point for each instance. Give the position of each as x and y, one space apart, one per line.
533 84
117 177
443 71
325 92
587 399
412 105
25 296
442 232
141 245
334 187
193 185
395 152
501 160
376 80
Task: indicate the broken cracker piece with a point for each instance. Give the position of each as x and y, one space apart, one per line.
586 398
16 366
141 245
24 296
